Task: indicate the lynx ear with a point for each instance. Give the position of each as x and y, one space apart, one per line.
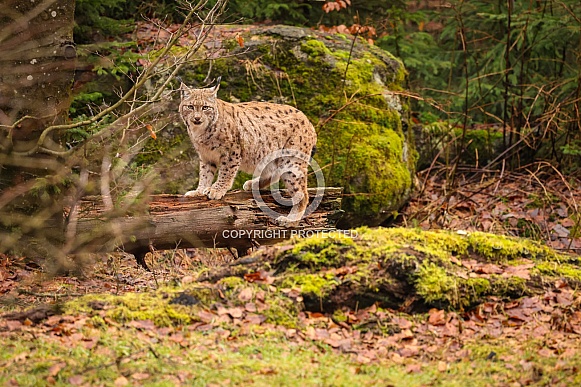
184 90
215 88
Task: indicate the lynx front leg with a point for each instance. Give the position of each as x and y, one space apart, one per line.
207 171
229 165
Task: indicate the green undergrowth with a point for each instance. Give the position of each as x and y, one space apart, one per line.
125 355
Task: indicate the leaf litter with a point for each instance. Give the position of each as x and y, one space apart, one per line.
526 339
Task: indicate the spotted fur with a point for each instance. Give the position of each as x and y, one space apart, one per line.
230 137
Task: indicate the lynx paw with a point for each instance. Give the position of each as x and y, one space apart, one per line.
216 194
195 193
248 185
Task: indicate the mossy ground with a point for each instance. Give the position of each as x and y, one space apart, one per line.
262 328
129 356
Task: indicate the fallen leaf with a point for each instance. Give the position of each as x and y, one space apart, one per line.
413 368
245 294
140 376
240 40
145 325
437 317
206 316
121 381
546 352
56 368
76 380
236 312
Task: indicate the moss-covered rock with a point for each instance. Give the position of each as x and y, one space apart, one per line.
421 269
346 91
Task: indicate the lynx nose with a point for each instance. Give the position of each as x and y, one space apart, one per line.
197 120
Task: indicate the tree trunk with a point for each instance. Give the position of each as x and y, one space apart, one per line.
36 73
175 221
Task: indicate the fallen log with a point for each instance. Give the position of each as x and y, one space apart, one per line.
163 222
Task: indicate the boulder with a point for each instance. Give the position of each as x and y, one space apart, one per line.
348 89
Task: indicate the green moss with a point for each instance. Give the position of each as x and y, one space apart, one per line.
310 284
474 290
282 311
435 285
510 287
499 248
232 282
154 306
319 251
558 269
314 48
339 316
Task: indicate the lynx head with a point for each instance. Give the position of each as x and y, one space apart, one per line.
198 107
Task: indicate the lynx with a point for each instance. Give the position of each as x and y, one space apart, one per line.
230 137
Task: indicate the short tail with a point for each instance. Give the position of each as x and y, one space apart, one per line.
313 151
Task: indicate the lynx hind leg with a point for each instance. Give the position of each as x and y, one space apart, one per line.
296 185
262 181
269 175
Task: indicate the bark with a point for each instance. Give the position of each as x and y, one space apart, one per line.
174 221
36 74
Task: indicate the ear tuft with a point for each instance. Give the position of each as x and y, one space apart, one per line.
215 88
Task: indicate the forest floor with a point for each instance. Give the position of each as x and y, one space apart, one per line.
52 333
538 203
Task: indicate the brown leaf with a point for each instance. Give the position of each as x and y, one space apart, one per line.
55 368
140 376
145 325
240 40
437 317
546 352
151 132
76 380
245 294
256 319
121 381
236 312
402 322
206 316
267 371
488 268
409 351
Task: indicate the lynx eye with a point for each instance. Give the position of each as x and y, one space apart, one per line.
206 108
189 107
